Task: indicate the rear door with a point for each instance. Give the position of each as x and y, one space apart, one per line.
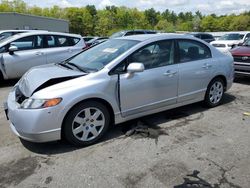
60 48
156 86
195 69
29 54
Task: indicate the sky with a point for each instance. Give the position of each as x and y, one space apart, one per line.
218 7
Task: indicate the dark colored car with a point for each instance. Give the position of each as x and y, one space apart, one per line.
203 36
241 55
132 32
96 40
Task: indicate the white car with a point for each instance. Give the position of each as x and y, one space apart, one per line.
230 40
25 50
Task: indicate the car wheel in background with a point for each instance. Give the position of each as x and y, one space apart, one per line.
215 92
86 123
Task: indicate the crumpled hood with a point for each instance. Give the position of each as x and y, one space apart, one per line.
52 74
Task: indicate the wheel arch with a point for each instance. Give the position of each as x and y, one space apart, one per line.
222 77
96 99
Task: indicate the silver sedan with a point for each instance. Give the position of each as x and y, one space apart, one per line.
116 81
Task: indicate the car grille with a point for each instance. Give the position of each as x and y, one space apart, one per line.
219 45
243 59
19 96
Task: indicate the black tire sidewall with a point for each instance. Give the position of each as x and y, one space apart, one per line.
207 100
67 124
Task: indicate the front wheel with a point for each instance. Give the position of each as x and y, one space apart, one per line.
214 93
86 123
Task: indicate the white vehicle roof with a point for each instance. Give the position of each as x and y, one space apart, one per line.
20 35
19 30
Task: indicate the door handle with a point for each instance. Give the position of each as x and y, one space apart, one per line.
206 66
69 50
170 73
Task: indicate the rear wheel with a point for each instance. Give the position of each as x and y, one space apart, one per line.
215 92
86 123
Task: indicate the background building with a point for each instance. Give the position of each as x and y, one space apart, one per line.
24 21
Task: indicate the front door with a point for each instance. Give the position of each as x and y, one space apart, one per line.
29 54
156 86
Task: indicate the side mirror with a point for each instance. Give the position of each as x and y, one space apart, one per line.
12 49
135 67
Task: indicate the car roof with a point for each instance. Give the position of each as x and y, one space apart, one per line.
47 33
20 35
144 37
19 30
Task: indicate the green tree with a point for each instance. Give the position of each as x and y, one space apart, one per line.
164 25
209 23
152 16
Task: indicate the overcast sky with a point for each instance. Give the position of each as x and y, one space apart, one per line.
205 6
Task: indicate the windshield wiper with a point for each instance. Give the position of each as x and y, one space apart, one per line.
78 67
65 65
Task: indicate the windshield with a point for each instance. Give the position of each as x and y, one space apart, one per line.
247 42
233 36
97 57
118 34
4 36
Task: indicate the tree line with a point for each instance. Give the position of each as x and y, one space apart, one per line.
90 21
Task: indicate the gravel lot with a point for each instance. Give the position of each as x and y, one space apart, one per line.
188 145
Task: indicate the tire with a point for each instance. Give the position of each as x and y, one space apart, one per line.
1 78
215 93
86 123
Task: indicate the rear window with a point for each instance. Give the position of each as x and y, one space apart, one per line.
206 36
61 41
190 50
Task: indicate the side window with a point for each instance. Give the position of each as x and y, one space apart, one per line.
3 49
74 40
204 36
6 34
51 42
28 43
62 41
154 55
247 36
190 50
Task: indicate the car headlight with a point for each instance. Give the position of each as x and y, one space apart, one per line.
39 103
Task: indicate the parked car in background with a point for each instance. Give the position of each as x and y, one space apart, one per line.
230 40
25 50
132 32
203 36
96 40
7 33
241 55
87 38
116 81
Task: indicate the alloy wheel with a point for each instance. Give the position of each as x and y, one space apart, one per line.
88 124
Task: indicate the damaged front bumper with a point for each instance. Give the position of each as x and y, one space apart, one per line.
36 125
